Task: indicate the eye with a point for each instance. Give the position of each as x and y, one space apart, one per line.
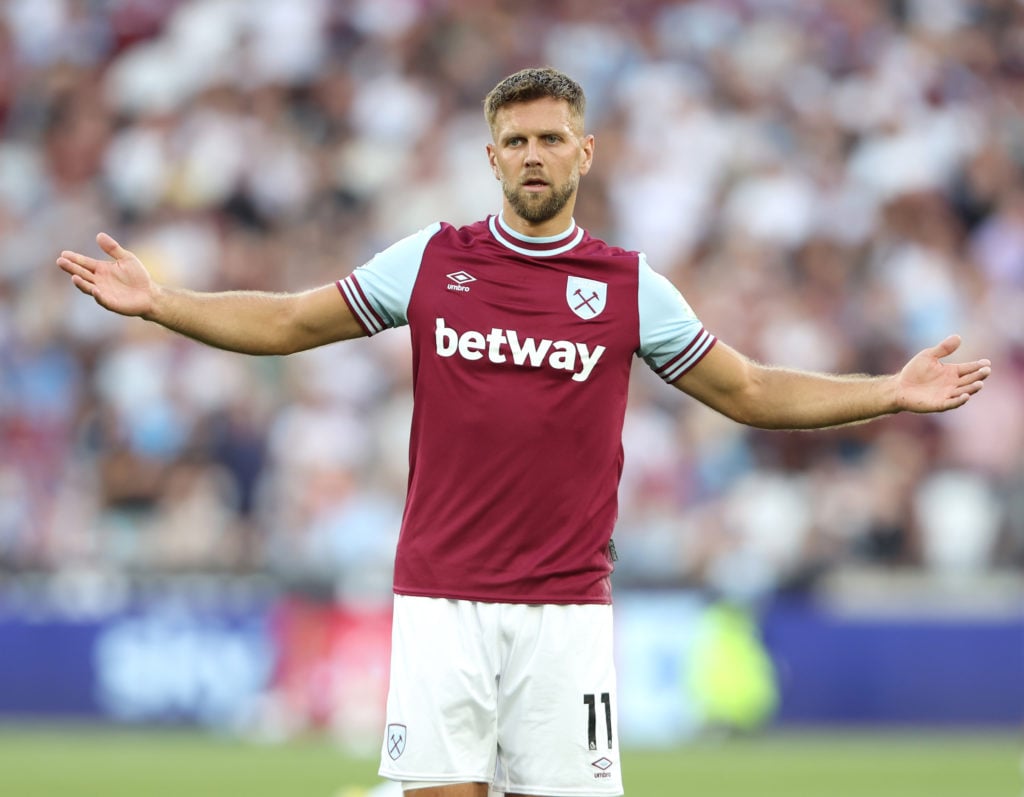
514 141
552 138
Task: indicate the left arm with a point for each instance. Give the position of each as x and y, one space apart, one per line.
782 398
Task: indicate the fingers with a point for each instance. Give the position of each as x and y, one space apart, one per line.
76 262
72 261
945 348
980 367
971 388
961 397
84 285
111 247
963 393
970 375
75 268
972 379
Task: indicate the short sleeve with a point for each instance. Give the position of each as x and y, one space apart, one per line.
378 292
672 338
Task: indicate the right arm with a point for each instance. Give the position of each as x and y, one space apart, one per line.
250 322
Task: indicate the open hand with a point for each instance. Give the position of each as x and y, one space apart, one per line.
928 385
122 284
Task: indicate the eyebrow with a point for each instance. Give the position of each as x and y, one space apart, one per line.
539 134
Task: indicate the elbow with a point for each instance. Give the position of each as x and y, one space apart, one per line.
745 403
749 405
735 386
282 350
288 334
745 413
276 341
287 343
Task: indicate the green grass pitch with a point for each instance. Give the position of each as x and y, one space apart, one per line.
96 762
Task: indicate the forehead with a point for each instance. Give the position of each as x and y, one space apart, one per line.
545 113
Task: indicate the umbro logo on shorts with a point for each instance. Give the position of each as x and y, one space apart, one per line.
602 764
459 280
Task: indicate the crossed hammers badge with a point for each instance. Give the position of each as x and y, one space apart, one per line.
395 740
586 297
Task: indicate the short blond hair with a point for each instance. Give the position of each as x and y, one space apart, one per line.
535 84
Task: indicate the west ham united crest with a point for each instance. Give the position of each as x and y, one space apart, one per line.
586 297
396 740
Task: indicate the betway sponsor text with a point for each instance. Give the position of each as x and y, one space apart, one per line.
505 345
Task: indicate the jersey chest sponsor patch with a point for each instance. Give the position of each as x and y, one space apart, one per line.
501 346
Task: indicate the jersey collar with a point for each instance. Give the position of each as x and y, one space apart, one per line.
547 246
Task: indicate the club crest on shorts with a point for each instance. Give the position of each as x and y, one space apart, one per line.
586 297
396 740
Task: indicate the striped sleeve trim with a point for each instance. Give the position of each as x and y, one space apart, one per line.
361 308
688 357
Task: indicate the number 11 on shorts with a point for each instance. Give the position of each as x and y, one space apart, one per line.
591 703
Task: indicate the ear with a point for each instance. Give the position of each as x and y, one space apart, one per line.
492 158
587 157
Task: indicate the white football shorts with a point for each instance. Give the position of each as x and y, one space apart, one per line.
520 696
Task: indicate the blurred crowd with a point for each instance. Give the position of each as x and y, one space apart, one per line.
833 185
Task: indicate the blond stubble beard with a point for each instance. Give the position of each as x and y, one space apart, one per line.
538 212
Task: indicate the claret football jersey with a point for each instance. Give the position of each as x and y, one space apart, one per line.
522 349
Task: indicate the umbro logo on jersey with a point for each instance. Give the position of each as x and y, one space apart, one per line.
505 345
459 280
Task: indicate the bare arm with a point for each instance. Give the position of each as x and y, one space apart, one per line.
250 322
780 398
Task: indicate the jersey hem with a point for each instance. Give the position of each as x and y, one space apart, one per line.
703 354
531 600
684 362
352 292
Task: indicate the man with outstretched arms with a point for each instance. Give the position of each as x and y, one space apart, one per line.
523 330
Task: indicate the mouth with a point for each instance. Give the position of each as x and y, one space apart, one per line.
534 184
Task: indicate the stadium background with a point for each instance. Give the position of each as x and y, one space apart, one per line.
193 537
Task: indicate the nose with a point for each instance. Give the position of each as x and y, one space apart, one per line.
532 154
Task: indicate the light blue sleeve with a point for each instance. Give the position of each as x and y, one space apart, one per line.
378 292
672 338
